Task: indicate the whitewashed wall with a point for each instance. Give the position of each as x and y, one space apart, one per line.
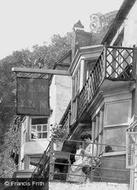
130 28
88 186
130 32
60 95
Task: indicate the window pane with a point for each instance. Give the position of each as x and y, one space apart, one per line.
39 128
36 121
33 127
115 136
44 127
117 113
33 136
44 135
89 64
39 135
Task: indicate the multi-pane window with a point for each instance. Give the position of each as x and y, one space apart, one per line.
39 128
117 115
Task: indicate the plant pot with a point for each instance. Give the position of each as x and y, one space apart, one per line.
58 145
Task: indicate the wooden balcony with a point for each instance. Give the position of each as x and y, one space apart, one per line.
66 120
115 64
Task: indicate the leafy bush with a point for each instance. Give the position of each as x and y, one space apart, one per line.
58 132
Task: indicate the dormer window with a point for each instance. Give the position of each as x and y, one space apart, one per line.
39 128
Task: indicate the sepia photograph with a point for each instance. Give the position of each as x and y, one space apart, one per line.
68 95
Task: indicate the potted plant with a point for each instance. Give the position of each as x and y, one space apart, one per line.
58 135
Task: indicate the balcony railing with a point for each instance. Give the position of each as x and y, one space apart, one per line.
106 166
42 168
65 120
114 63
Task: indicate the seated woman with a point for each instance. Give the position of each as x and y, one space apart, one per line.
84 160
75 173
90 151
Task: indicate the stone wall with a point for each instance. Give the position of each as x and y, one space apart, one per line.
88 186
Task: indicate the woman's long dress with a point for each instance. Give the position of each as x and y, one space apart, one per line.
75 173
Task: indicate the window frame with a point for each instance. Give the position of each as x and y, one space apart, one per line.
97 129
118 98
114 102
76 82
88 66
41 125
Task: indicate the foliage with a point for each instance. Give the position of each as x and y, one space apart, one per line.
58 132
11 142
47 54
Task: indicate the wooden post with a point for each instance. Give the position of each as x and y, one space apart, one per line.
133 182
135 75
105 61
40 71
51 167
26 162
134 72
135 171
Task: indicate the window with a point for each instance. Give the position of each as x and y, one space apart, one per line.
76 83
88 66
115 137
75 91
97 129
39 128
117 113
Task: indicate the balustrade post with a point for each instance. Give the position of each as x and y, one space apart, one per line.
89 89
105 62
134 70
135 75
69 121
77 107
134 113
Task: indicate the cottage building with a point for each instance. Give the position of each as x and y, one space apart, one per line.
103 101
36 130
103 98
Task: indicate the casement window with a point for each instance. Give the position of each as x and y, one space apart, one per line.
117 114
39 128
97 129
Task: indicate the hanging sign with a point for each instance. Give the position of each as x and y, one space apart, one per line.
33 96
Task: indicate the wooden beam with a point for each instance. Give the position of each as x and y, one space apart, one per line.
40 71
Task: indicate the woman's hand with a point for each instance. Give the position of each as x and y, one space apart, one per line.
83 151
